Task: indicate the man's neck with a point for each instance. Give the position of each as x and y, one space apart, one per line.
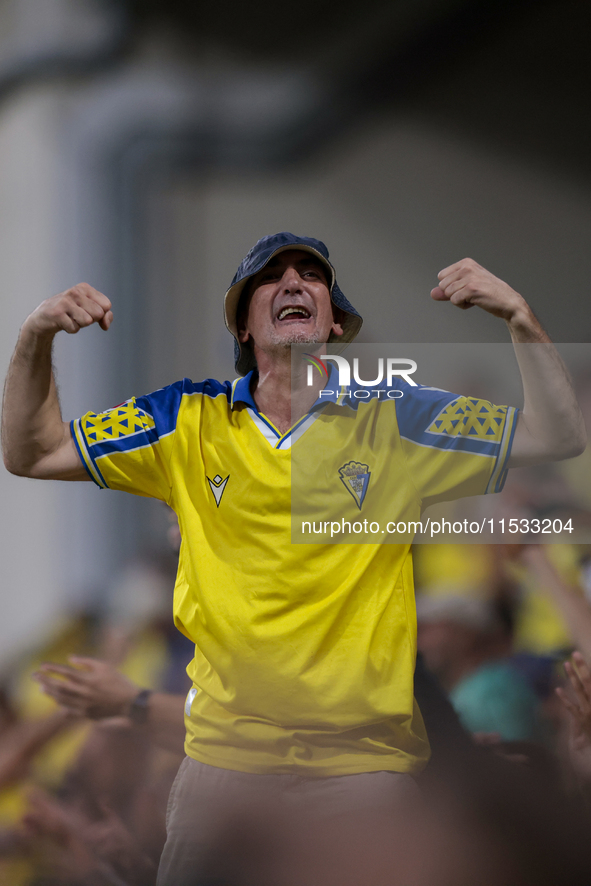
279 394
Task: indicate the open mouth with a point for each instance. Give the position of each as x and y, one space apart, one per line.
294 312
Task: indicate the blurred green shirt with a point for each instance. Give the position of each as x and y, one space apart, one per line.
496 698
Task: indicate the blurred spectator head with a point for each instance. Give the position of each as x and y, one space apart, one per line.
457 633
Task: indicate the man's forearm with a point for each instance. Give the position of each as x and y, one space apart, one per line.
35 440
166 721
551 425
570 601
20 743
32 425
93 688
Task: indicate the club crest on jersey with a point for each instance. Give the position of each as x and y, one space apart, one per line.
355 478
217 486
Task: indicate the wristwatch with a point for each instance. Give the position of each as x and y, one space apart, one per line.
138 709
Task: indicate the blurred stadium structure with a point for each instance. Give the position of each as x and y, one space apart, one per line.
145 145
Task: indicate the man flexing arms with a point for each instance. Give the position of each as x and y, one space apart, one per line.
304 654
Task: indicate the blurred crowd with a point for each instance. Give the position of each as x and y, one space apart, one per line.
91 736
84 780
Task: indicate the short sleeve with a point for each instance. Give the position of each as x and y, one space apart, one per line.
129 447
454 446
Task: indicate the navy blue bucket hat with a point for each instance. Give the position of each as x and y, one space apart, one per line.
254 262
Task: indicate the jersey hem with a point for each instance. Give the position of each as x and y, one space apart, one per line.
373 764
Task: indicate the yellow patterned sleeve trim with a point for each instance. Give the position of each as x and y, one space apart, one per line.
80 441
470 417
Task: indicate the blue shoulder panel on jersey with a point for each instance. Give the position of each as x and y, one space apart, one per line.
163 405
210 387
442 420
435 418
418 408
138 423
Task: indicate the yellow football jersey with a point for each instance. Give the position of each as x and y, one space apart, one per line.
304 653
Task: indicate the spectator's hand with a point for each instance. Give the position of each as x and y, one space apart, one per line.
580 713
56 831
466 284
78 850
21 742
92 688
113 842
535 558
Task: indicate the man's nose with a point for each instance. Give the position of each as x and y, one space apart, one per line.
291 280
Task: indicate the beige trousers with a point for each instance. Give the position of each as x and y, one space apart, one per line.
229 828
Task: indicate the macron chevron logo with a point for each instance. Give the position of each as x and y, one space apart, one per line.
217 486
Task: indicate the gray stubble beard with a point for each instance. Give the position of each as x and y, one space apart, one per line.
299 338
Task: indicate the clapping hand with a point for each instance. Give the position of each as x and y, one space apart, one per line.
579 676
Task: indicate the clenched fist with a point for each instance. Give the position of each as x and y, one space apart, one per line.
71 310
466 284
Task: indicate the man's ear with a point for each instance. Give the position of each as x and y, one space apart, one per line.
338 316
242 314
243 334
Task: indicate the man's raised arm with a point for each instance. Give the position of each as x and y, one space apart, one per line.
36 442
550 426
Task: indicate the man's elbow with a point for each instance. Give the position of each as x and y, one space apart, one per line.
11 462
534 447
571 446
16 466
16 462
577 444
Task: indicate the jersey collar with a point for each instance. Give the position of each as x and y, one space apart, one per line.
241 392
